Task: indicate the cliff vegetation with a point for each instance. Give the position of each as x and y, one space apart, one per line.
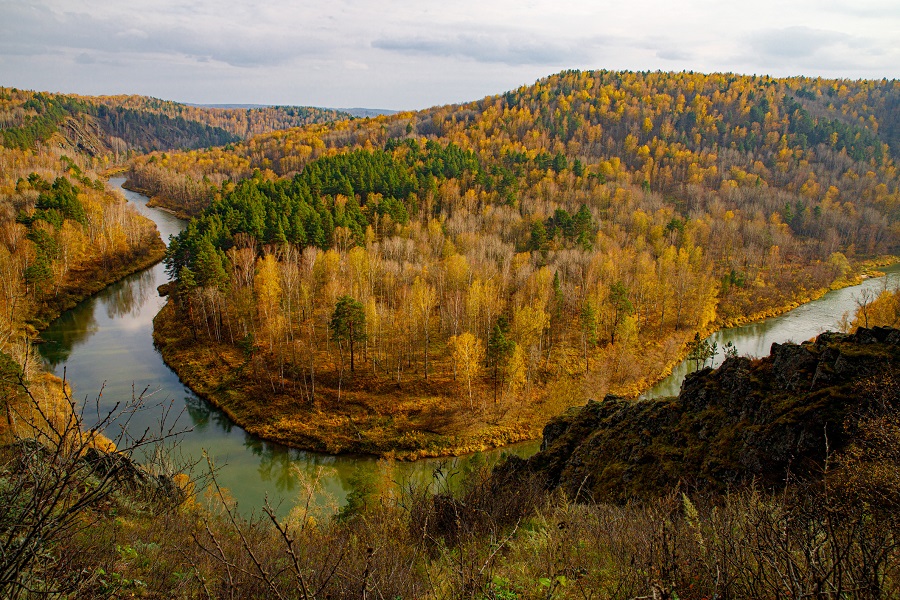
798 497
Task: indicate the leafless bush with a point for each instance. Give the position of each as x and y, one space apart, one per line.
56 477
471 535
309 555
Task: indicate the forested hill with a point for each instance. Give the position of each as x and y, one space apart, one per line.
509 254
662 131
116 125
758 171
243 122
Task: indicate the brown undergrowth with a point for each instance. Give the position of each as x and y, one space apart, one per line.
362 412
366 413
490 541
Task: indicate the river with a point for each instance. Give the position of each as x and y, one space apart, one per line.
798 325
106 344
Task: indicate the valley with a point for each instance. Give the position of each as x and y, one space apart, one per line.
348 296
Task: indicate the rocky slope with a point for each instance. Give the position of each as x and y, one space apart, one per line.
766 420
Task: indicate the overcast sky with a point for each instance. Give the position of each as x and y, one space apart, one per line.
409 54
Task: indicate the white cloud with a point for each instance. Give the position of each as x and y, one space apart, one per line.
415 53
795 42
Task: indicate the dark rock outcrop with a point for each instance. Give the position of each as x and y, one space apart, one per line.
764 420
130 475
94 467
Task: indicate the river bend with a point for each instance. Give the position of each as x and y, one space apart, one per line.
106 344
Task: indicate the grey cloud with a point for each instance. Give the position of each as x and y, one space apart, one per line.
515 50
794 42
673 54
37 30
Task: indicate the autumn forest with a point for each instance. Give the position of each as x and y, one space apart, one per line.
444 282
513 256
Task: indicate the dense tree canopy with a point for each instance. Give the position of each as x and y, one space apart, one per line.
99 126
581 230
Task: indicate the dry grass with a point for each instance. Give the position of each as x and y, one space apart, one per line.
484 542
475 535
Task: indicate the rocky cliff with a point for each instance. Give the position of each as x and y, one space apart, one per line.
766 420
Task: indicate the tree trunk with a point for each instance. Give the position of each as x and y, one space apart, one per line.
426 349
351 348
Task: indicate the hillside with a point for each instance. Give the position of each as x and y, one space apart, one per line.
63 237
671 133
768 421
113 127
498 261
243 122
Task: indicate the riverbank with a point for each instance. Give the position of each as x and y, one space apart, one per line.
373 415
865 269
160 202
390 422
88 280
48 399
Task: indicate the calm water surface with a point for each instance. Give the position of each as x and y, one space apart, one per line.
105 346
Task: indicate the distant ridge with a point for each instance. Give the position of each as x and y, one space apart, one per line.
229 106
111 125
361 113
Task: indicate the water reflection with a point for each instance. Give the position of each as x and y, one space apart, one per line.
202 414
127 298
199 411
275 463
68 331
122 302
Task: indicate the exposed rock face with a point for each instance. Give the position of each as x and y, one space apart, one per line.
133 476
763 420
109 467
